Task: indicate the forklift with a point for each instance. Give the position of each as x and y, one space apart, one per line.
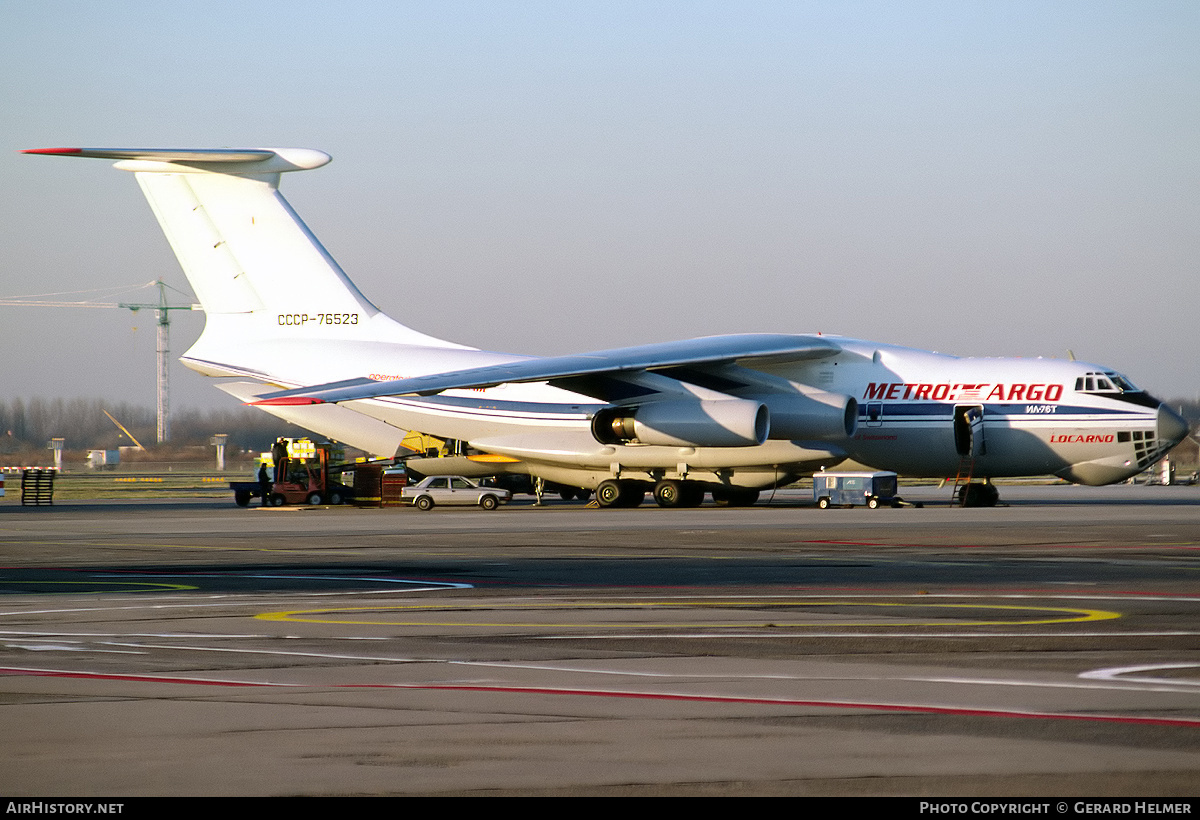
308 480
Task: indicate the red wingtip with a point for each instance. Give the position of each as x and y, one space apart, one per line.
52 151
286 401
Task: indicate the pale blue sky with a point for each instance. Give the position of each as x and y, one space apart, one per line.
1006 178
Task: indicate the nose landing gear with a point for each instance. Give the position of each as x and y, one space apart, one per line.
976 494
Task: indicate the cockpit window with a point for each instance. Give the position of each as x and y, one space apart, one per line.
1096 382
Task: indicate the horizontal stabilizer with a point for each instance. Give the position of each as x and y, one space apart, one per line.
707 351
243 160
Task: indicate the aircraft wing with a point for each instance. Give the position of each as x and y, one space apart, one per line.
709 351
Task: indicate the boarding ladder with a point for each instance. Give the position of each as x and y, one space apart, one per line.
966 471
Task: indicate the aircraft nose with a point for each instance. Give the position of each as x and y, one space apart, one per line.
1172 427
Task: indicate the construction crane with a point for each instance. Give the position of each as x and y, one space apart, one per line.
164 338
164 344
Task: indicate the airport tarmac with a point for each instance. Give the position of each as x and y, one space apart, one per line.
1050 647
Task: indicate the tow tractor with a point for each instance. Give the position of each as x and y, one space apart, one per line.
849 489
309 479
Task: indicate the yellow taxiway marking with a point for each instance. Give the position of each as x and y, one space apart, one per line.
1062 615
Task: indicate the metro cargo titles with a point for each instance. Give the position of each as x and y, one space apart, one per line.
726 415
965 392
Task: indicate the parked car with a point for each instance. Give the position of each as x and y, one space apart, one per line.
453 489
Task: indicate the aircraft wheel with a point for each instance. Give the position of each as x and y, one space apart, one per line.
313 499
979 495
744 498
668 493
632 493
488 502
608 494
823 503
566 493
424 503
693 494
734 497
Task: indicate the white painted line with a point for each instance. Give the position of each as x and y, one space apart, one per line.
278 652
55 647
1120 673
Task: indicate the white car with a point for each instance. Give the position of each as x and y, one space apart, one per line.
453 490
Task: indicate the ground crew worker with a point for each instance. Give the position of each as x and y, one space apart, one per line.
264 483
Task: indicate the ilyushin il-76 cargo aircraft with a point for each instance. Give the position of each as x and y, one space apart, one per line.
725 415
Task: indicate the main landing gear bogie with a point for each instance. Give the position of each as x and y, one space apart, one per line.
620 493
670 493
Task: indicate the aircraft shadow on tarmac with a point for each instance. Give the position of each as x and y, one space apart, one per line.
858 570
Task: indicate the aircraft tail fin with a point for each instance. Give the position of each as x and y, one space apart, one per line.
252 262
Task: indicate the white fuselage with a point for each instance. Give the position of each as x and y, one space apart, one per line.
1033 420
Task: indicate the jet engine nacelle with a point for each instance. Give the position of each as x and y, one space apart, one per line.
700 423
812 416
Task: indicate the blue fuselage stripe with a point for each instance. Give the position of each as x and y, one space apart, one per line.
940 410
